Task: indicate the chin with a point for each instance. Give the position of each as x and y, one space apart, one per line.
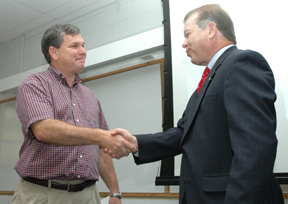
195 62
80 70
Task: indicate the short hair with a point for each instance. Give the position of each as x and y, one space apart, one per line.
214 13
54 36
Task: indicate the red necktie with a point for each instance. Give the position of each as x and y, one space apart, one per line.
205 74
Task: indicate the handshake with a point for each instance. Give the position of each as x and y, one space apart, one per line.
120 143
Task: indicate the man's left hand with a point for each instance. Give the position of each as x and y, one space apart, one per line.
115 200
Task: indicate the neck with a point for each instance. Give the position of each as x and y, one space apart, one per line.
70 77
70 80
219 46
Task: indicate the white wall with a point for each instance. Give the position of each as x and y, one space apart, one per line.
101 27
259 26
131 84
111 32
109 26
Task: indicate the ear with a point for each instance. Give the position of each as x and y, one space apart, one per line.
212 30
53 53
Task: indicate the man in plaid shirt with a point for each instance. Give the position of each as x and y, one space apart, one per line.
63 126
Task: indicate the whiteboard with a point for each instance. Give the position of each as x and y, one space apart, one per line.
11 139
258 26
130 100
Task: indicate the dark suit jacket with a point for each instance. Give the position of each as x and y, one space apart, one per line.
226 135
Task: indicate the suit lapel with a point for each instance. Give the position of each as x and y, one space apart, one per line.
205 86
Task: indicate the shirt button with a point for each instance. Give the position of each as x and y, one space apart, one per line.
81 156
74 104
79 176
77 120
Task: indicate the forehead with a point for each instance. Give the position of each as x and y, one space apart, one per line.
191 22
73 38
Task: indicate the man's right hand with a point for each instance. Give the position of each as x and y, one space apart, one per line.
131 145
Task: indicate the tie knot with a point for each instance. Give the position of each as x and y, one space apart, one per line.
206 72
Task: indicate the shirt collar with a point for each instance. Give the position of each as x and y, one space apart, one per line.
217 55
57 73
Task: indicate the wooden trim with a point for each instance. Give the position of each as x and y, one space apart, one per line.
167 189
138 195
124 70
7 193
7 100
161 61
146 195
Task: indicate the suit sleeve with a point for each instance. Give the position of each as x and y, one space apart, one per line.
162 145
249 100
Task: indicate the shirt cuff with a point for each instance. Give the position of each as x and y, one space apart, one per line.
136 154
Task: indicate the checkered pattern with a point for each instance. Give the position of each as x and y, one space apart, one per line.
47 95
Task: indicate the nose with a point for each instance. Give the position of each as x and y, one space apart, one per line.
82 51
184 44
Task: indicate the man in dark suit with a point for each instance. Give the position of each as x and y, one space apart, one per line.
227 132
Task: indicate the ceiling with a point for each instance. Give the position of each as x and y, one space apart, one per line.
18 17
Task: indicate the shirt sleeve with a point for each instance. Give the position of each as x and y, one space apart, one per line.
101 118
33 103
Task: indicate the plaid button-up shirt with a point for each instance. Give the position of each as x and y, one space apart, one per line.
47 95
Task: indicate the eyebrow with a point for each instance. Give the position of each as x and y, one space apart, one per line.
185 32
77 43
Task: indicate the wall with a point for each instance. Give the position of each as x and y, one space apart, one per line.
98 28
133 27
131 85
255 23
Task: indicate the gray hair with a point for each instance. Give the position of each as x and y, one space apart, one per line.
214 13
54 36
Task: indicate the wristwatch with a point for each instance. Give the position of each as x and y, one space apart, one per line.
116 195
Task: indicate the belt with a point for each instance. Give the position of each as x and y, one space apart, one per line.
66 187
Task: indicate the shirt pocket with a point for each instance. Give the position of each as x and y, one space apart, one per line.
91 119
215 183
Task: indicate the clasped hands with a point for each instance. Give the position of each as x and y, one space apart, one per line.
122 142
